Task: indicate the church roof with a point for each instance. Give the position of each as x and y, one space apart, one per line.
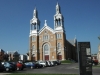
71 42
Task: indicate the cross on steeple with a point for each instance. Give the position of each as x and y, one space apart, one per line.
45 23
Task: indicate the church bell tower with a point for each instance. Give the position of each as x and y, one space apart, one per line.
60 34
34 29
34 22
58 19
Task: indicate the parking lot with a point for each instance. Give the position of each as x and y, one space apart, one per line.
59 69
63 68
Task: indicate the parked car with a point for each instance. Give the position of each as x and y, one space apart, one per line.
48 63
30 65
95 62
58 62
42 63
8 66
52 63
20 65
37 65
2 68
14 65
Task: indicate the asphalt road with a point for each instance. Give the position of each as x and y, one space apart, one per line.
60 69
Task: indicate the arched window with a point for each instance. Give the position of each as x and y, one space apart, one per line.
34 27
46 49
56 21
59 22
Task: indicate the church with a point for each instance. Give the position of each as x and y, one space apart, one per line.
50 44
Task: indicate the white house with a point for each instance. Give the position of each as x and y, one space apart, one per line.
23 57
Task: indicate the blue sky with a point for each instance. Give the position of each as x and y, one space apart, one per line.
81 18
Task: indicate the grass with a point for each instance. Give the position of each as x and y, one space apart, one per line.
66 61
38 74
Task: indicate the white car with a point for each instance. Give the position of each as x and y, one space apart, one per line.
52 63
42 63
48 63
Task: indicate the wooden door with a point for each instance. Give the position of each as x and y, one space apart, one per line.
46 57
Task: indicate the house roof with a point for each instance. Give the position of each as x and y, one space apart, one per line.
1 50
12 52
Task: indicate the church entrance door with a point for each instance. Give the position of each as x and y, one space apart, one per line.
46 57
59 57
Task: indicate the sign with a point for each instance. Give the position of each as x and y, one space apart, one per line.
88 51
84 58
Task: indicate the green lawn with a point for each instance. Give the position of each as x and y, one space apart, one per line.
66 61
38 74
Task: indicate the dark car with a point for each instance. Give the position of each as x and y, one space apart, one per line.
14 65
1 67
30 65
8 66
57 62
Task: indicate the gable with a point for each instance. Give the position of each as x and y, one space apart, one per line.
46 29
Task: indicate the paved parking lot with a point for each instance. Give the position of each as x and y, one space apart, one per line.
60 69
63 68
